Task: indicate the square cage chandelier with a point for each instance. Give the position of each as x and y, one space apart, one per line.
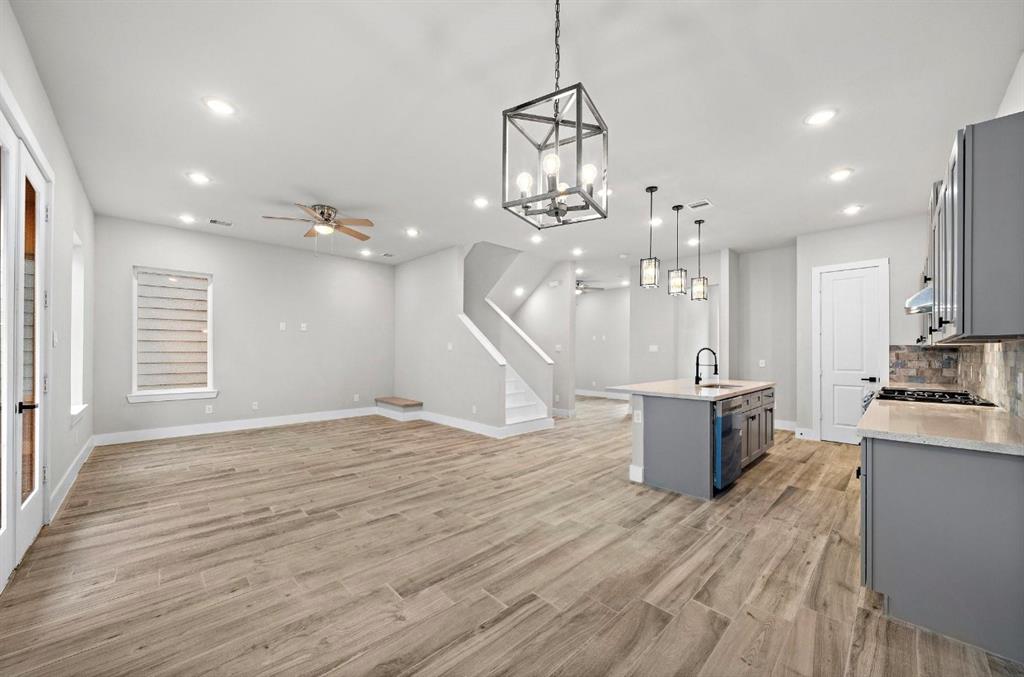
555 159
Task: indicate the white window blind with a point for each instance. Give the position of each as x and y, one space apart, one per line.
172 331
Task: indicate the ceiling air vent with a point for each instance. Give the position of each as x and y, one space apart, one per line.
218 222
387 255
699 204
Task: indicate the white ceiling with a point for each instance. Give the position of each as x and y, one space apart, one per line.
392 110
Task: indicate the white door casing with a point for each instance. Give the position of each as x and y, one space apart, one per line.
9 156
850 343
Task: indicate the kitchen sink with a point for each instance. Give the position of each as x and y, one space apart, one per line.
719 386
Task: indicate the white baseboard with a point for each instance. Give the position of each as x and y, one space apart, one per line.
636 473
497 432
807 434
564 413
603 393
60 492
782 424
228 426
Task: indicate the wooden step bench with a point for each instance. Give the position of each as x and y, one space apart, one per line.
403 408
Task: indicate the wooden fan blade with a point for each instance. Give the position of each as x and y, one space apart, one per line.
287 218
310 233
354 233
367 223
309 212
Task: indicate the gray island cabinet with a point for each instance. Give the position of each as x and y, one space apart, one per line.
942 510
696 439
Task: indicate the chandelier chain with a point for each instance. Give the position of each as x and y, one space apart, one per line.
558 34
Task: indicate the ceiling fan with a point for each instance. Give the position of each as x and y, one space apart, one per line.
583 287
325 221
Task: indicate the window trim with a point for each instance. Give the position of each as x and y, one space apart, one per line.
171 394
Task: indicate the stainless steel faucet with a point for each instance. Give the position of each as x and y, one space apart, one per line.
698 365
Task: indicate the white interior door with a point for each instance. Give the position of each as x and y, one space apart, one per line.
853 345
26 315
9 152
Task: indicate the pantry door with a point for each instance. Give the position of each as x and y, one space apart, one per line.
9 154
26 416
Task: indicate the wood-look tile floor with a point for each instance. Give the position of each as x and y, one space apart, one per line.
372 547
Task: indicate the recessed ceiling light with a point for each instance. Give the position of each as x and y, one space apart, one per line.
577 252
818 118
536 239
480 202
187 218
172 279
365 252
841 174
656 221
412 232
219 106
693 242
852 210
198 178
625 283
518 291
579 271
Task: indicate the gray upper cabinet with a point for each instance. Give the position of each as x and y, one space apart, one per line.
977 231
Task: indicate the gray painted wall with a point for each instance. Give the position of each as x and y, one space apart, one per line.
71 212
903 241
548 316
348 306
428 301
767 323
602 339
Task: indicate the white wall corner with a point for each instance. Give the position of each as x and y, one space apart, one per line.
636 473
60 491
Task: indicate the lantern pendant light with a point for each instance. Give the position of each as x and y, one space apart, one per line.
651 266
699 284
677 275
554 155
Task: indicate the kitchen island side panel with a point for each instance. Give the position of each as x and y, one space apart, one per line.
946 540
678 445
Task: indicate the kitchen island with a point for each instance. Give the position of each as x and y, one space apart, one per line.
696 439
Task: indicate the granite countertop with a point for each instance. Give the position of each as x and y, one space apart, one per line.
990 429
684 389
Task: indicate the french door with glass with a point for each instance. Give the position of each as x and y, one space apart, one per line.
23 199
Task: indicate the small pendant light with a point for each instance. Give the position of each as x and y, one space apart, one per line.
651 266
699 284
677 276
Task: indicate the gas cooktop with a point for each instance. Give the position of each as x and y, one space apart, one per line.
937 396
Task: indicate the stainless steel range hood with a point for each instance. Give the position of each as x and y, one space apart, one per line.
921 302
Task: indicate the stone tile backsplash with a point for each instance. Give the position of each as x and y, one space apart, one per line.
993 371
916 364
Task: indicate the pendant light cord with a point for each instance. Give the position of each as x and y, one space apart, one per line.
698 248
650 227
558 34
677 238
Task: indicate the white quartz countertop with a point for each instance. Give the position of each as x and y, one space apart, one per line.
960 426
684 389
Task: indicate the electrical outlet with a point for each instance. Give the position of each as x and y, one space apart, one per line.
593 338
604 338
558 347
761 363
653 348
355 398
209 409
302 327
593 384
283 326
255 406
450 346
474 408
638 416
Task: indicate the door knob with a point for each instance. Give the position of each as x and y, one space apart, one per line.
870 379
22 406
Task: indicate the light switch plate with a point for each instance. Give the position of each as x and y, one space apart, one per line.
653 348
638 416
558 347
558 398
209 409
450 346
283 326
355 398
302 327
761 363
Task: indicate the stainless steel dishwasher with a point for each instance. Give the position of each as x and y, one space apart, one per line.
729 424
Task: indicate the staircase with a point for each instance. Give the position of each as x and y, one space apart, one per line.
521 402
